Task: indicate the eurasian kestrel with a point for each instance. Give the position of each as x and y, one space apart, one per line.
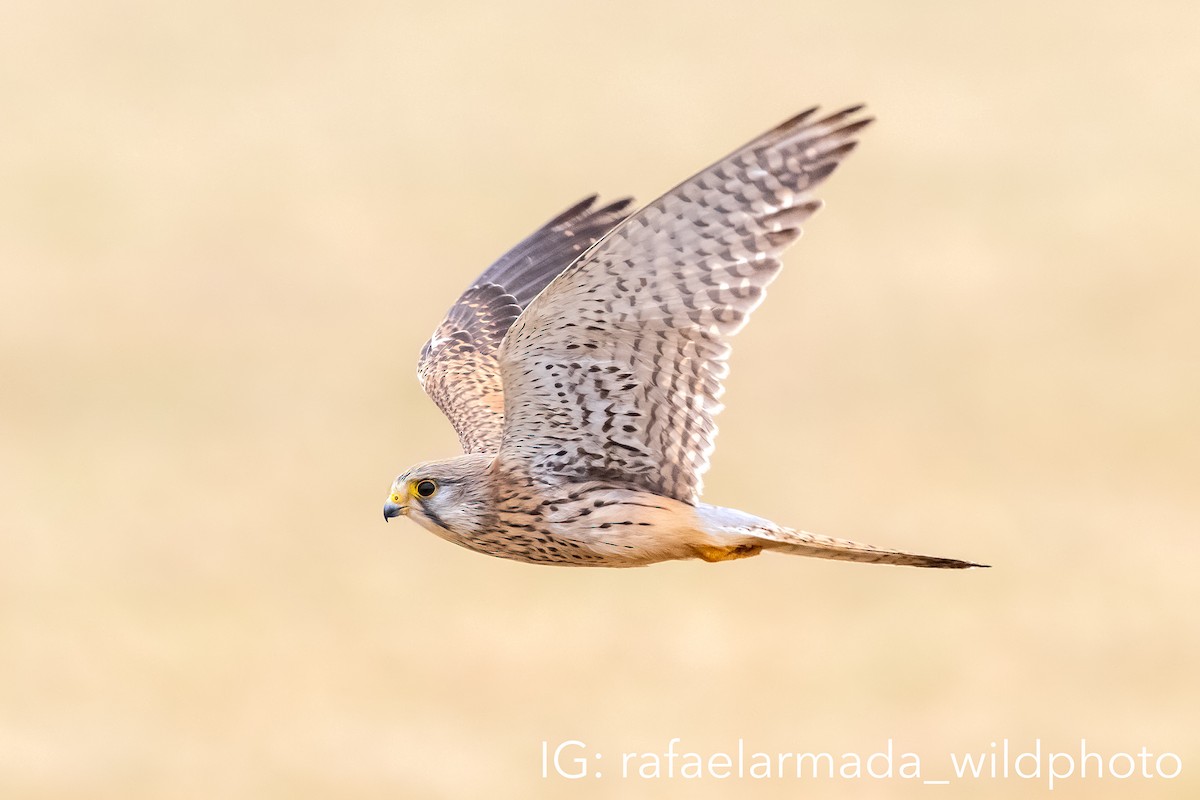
582 371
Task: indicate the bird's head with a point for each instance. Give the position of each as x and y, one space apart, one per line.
448 496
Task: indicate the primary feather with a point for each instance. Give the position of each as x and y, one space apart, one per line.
459 367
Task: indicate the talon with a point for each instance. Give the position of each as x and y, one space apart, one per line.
714 554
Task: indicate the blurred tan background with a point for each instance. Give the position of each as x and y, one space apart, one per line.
226 228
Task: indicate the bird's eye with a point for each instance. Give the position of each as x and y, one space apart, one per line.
425 489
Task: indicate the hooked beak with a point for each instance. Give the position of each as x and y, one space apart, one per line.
391 509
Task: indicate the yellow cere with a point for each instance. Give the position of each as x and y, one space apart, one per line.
396 498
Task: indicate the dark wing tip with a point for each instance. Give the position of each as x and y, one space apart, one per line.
803 121
529 266
853 127
792 122
616 207
848 111
574 211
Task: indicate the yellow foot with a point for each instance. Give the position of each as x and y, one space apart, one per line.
713 554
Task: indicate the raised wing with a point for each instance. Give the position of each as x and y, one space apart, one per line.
458 367
614 371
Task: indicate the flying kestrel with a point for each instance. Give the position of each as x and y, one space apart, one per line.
582 371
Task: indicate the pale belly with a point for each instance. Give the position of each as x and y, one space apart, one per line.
588 525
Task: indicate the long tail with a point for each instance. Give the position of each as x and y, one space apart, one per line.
803 543
739 529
